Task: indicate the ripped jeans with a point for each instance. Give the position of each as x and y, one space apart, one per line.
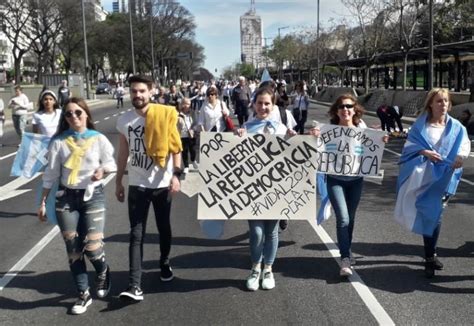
82 227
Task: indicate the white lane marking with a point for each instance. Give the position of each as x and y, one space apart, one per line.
10 189
462 179
356 281
22 263
106 118
30 255
116 114
7 156
96 122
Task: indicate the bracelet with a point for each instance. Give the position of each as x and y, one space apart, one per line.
177 173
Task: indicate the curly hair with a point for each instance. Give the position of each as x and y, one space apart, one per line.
358 109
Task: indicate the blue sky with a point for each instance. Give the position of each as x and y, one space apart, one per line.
218 23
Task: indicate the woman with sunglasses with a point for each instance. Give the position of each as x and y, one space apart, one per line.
79 157
213 112
345 191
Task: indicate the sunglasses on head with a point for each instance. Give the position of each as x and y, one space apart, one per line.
345 106
69 114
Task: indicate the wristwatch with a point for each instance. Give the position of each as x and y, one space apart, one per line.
177 172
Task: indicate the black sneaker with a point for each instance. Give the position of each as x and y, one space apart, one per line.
166 274
103 283
133 292
437 264
429 268
283 224
84 301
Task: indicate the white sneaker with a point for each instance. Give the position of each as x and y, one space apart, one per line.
253 280
346 269
268 281
186 170
195 165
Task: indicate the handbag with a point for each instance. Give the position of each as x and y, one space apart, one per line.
229 124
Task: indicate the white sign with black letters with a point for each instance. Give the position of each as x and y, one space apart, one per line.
256 177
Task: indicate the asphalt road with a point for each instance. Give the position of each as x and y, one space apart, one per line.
209 286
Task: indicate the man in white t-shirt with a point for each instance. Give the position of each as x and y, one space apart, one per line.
148 182
19 104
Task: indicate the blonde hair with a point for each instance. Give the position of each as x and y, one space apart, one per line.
187 99
430 97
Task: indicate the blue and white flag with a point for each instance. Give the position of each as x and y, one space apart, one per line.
265 76
324 211
32 156
422 183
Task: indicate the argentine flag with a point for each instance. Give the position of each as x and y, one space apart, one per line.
422 183
324 211
32 156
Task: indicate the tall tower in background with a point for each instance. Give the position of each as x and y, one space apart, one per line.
251 37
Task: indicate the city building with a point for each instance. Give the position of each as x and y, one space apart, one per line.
115 7
251 37
94 10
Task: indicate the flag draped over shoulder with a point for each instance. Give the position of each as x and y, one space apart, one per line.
324 211
32 156
421 183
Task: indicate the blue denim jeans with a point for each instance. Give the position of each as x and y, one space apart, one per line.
19 122
263 241
82 226
344 196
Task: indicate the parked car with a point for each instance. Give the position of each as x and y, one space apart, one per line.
103 88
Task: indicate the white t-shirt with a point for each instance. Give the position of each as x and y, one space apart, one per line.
142 171
47 123
19 104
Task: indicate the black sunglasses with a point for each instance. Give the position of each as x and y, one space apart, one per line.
69 114
345 106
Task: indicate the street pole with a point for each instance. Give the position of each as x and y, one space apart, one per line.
280 74
430 63
131 36
152 42
317 49
86 56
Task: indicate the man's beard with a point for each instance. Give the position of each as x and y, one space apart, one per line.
139 103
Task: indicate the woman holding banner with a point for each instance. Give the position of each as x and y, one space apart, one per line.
263 233
79 157
344 192
430 170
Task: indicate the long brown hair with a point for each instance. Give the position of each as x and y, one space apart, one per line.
63 125
358 109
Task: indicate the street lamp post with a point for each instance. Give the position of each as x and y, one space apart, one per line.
152 42
430 63
131 36
281 61
86 55
317 48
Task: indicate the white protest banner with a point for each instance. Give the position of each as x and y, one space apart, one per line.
349 151
257 177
